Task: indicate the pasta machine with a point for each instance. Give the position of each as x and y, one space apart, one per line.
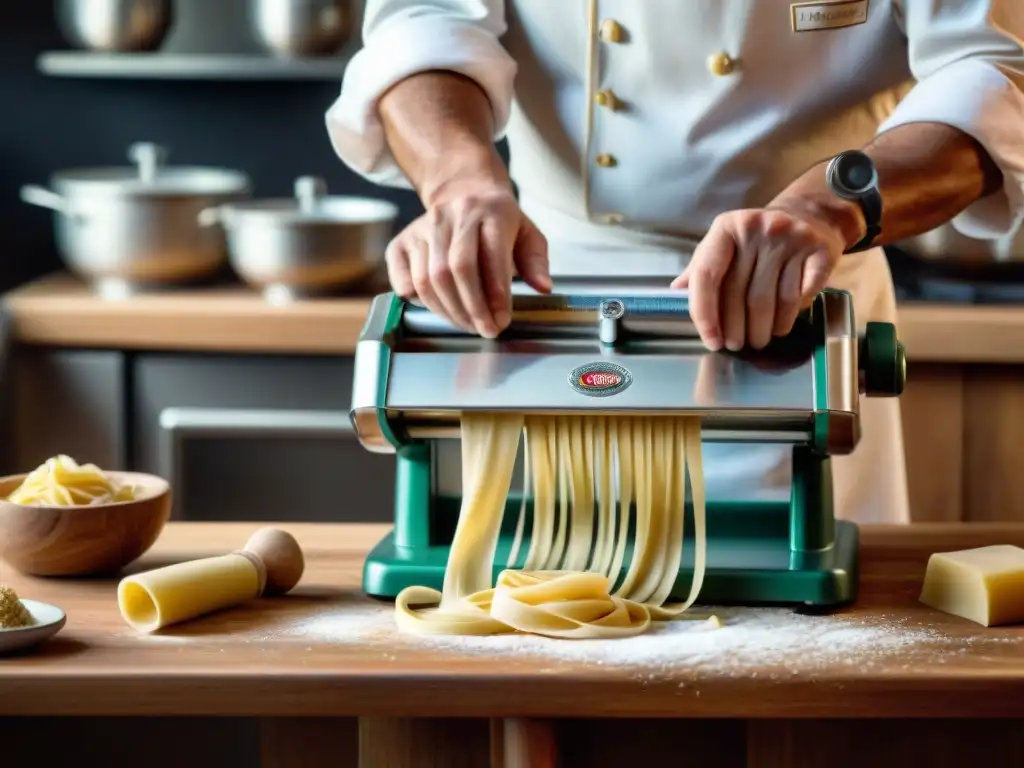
628 350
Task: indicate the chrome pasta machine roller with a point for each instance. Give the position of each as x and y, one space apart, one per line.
628 351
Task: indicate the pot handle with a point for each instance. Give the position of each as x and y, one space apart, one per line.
211 217
149 157
44 198
308 191
1006 247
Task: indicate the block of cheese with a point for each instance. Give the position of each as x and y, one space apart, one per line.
984 585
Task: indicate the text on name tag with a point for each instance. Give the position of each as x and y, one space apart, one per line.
809 17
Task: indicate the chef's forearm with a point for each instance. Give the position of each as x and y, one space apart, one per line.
440 128
928 173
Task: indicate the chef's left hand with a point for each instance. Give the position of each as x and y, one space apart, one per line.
755 270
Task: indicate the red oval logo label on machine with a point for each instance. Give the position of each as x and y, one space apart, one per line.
600 379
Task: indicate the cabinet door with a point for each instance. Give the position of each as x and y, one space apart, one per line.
65 401
255 438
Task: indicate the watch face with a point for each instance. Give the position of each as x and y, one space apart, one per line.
855 172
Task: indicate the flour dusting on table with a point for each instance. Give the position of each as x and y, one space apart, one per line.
749 640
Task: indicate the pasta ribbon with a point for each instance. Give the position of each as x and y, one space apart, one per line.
567 586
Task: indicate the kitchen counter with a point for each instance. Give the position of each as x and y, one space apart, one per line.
327 652
59 310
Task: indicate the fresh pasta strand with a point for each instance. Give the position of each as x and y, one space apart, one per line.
556 557
604 544
517 542
623 443
572 457
543 451
61 482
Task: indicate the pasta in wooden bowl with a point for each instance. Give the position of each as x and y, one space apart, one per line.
66 519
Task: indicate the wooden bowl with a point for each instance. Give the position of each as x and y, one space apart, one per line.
82 540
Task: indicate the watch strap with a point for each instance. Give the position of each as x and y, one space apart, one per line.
871 206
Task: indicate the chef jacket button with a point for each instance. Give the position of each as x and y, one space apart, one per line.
606 161
607 98
611 31
721 64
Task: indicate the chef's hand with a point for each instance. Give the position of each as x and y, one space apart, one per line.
755 270
458 257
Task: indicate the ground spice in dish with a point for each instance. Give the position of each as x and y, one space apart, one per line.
12 612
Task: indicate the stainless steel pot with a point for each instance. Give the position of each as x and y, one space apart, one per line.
115 25
125 229
946 244
308 245
300 27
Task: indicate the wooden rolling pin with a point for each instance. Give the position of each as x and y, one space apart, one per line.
270 564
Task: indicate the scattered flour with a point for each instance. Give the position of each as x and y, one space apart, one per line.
750 641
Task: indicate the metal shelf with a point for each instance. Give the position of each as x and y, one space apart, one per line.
170 66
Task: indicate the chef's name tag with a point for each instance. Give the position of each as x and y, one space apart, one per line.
809 17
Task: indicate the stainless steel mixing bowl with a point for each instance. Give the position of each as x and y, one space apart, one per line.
308 245
115 25
126 229
300 27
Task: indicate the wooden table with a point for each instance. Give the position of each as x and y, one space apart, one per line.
885 702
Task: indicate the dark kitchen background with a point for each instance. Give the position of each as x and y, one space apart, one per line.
272 130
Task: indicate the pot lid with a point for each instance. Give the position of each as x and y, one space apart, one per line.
311 205
150 177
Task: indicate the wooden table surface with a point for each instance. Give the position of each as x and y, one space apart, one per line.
59 310
258 661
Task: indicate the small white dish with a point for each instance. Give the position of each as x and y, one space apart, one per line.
49 620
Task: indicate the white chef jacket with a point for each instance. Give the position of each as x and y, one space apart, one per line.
633 123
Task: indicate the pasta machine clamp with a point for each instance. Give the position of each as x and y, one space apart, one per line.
626 351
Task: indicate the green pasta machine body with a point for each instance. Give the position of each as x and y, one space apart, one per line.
628 351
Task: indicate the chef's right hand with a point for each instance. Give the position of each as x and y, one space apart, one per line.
458 258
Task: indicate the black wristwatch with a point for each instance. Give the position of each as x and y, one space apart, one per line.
852 176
